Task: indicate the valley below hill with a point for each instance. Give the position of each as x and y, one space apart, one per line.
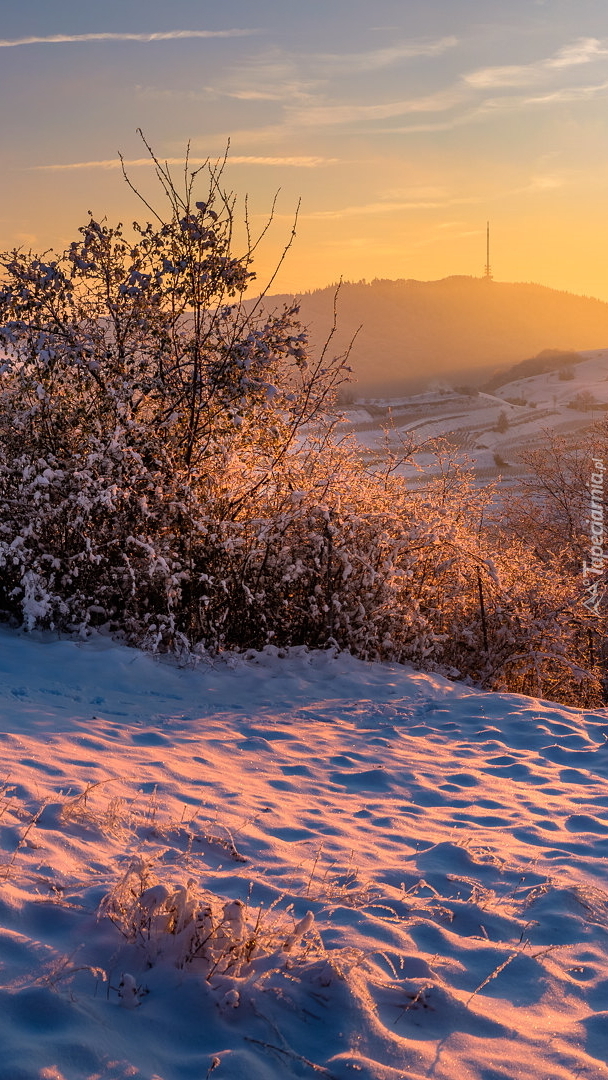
488 429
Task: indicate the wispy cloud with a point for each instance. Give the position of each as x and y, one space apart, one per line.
206 93
163 35
463 102
298 79
582 51
461 95
511 102
493 106
302 162
365 209
546 182
340 114
270 75
389 207
537 184
508 75
374 59
567 94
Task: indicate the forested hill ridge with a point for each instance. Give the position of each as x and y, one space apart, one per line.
457 328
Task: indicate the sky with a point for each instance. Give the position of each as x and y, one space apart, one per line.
399 127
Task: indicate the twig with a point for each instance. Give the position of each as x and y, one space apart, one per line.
295 1057
314 867
7 866
493 975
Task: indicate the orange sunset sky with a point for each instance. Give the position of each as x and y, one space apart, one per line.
402 126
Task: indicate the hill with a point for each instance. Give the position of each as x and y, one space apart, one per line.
458 328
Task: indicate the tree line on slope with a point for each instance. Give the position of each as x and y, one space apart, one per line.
171 471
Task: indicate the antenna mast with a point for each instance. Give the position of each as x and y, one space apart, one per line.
488 269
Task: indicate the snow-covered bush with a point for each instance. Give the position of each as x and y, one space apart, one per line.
142 411
168 470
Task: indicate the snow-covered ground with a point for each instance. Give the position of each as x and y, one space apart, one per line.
165 833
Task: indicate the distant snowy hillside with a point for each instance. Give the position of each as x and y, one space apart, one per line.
295 865
490 429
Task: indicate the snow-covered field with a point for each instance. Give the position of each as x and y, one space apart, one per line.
165 833
469 422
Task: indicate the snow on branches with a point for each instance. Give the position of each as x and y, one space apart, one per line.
168 470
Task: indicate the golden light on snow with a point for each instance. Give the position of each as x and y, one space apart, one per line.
394 871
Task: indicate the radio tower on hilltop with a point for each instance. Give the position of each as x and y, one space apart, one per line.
488 269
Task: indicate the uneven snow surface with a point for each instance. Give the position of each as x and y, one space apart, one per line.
449 845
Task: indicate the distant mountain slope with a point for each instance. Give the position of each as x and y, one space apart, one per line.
548 360
458 327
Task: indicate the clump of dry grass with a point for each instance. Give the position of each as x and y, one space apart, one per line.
189 925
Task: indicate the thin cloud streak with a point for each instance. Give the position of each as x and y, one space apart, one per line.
166 35
152 93
510 75
566 95
537 184
573 93
340 114
375 208
461 95
494 105
376 59
582 51
303 162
